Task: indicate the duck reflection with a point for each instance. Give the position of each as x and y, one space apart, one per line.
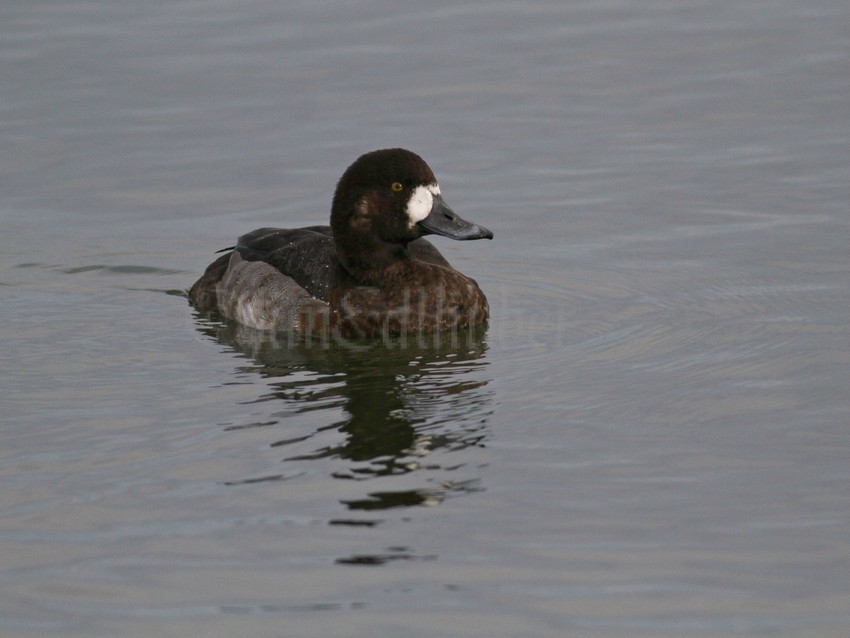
401 401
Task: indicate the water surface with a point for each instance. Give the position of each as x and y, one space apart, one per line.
649 439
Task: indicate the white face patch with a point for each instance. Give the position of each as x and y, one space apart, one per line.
420 203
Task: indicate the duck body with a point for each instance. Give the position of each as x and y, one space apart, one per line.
370 273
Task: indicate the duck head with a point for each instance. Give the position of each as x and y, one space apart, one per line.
383 201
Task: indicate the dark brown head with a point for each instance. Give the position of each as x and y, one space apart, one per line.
385 200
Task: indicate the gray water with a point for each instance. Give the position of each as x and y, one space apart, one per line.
651 438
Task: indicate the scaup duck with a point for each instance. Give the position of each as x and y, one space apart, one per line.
370 273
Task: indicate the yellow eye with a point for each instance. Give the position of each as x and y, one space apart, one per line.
397 187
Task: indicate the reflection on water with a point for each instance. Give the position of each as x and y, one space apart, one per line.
401 401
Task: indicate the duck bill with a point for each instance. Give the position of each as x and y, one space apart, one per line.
442 220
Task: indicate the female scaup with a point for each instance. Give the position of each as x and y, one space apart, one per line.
368 274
